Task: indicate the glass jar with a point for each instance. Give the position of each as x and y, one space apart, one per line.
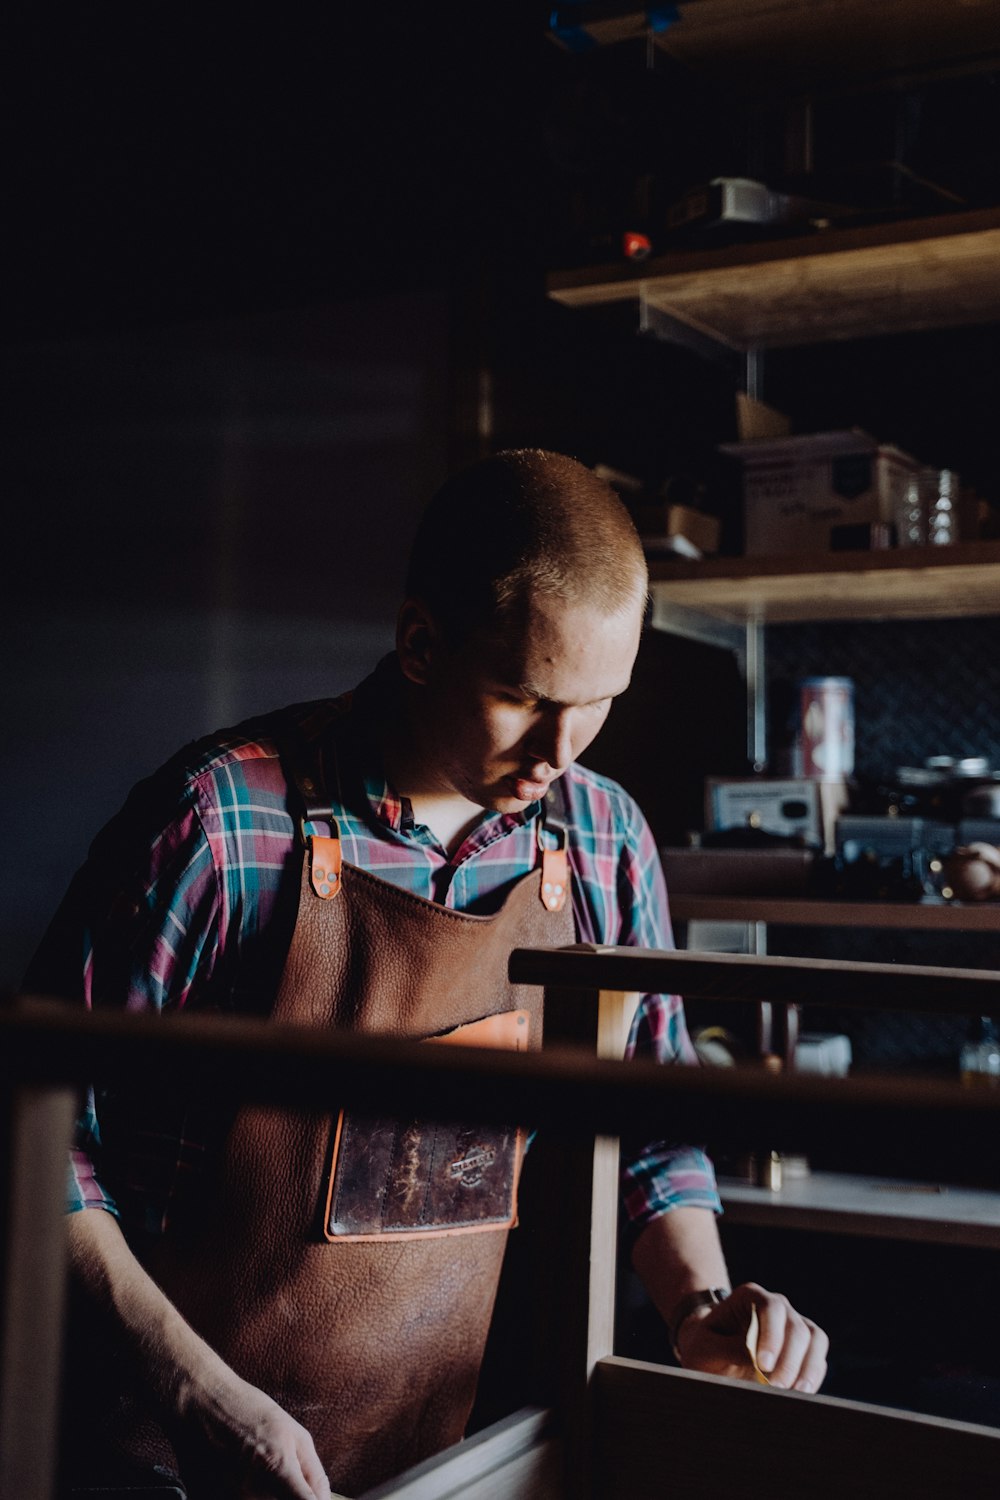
980 1059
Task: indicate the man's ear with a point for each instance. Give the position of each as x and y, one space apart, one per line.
419 641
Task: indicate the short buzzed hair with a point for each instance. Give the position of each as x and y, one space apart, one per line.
522 523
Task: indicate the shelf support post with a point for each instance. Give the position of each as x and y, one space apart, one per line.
752 661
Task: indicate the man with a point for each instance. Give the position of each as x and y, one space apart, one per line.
307 1303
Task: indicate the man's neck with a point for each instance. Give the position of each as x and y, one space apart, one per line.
450 818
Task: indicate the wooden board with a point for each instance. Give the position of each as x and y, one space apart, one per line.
516 1459
832 44
788 912
676 1433
907 583
751 977
36 1125
935 272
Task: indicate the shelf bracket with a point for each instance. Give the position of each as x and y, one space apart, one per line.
746 642
686 334
694 625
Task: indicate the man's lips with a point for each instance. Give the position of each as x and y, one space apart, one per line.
526 790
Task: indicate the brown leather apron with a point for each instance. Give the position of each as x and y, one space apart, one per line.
367 1323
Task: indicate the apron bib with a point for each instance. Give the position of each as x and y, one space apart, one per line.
370 1330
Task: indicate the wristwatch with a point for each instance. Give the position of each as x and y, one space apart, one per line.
709 1297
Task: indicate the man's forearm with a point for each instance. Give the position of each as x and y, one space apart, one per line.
677 1253
177 1361
272 1451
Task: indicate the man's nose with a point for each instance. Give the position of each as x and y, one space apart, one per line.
551 740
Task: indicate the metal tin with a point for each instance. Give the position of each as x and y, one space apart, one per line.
826 728
769 1171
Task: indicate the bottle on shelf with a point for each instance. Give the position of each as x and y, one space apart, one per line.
980 1059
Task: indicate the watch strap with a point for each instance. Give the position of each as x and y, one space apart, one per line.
705 1297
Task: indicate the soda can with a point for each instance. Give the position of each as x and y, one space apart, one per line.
826 728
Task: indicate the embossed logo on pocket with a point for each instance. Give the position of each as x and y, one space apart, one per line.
468 1169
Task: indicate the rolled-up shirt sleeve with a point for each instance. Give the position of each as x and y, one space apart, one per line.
136 930
656 1176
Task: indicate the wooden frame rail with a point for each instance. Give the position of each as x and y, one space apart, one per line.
737 976
563 1091
777 986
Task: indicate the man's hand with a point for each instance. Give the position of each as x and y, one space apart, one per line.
272 1454
269 1455
791 1350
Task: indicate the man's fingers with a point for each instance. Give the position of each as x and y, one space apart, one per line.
315 1474
772 1313
813 1371
791 1349
286 1467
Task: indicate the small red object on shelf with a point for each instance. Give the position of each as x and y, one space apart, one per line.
636 246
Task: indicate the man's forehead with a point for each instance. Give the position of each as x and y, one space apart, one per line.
521 648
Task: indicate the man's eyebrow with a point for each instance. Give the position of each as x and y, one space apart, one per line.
536 696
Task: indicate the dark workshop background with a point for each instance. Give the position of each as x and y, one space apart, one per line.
271 278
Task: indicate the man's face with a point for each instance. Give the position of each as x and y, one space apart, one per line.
503 715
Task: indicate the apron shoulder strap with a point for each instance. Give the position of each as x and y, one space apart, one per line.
553 838
303 762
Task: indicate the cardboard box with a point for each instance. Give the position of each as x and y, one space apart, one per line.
796 489
660 523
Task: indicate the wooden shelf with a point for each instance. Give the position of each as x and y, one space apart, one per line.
885 1208
800 47
803 912
808 45
935 272
907 583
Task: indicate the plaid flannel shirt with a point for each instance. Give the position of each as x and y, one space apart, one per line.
188 900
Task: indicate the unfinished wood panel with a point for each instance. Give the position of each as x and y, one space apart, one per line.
37 1126
516 1459
907 584
679 1434
838 44
575 1316
836 284
615 1012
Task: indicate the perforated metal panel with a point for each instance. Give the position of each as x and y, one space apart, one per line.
922 688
